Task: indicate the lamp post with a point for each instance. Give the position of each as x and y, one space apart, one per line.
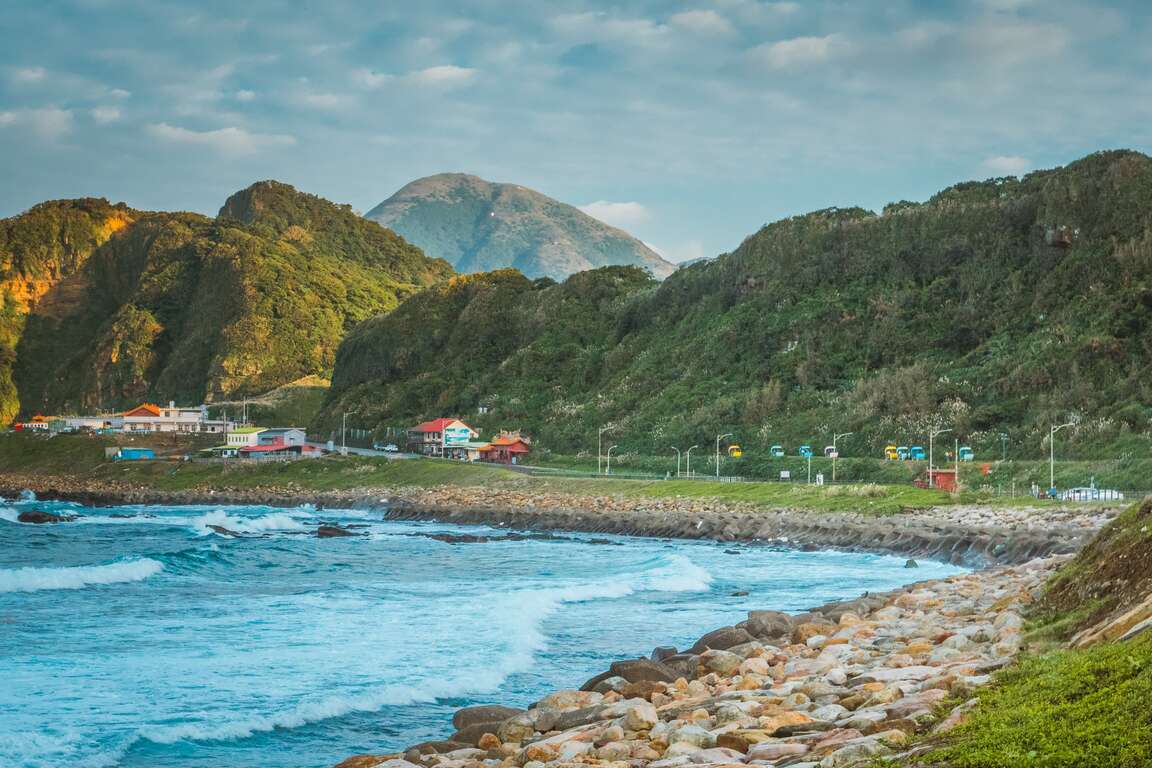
608 466
344 431
718 439
836 451
677 460
1003 446
931 440
1052 454
600 449
688 461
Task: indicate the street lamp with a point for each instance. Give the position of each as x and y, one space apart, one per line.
343 432
1052 454
931 440
836 451
608 467
718 439
600 449
688 461
677 460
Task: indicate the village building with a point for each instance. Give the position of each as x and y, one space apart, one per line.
283 442
506 448
440 437
149 418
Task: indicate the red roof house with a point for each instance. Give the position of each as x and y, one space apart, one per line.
506 448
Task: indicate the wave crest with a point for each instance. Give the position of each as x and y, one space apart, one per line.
77 577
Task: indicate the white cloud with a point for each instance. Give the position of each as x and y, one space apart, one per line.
105 114
367 78
799 51
682 252
245 95
924 34
119 93
48 124
599 25
29 74
1006 165
320 100
617 214
704 22
445 74
231 140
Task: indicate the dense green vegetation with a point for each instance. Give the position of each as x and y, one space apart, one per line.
480 226
997 307
38 250
179 306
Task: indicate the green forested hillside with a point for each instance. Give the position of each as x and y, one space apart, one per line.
995 307
180 306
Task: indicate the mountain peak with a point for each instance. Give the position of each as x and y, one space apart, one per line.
479 225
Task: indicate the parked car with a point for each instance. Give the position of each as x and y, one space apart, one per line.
776 451
806 451
917 453
1091 494
386 447
966 453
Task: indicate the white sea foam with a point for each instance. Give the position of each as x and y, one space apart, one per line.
77 577
9 514
524 612
277 521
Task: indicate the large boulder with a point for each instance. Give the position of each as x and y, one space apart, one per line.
634 671
768 625
472 733
40 517
722 639
483 713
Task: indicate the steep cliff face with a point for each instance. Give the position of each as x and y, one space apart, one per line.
42 252
182 306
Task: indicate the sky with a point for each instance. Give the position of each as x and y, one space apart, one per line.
689 123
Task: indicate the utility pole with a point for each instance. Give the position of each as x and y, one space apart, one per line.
677 460
688 461
836 451
1052 454
931 439
608 469
718 439
956 459
600 450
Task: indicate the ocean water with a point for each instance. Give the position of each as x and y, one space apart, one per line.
138 636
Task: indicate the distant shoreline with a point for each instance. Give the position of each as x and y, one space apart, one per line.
974 536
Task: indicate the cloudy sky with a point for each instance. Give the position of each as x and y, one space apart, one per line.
689 122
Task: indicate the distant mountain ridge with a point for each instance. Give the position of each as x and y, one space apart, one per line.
480 226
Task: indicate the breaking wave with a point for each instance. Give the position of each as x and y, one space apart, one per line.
77 577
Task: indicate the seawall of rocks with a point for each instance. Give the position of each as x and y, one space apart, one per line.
842 685
971 536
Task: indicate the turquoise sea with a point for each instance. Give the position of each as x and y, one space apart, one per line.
140 637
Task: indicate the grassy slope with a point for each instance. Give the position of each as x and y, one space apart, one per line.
1073 708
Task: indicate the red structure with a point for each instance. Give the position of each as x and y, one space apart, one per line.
943 479
506 448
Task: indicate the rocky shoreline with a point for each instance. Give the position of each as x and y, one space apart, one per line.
841 685
838 686
971 536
